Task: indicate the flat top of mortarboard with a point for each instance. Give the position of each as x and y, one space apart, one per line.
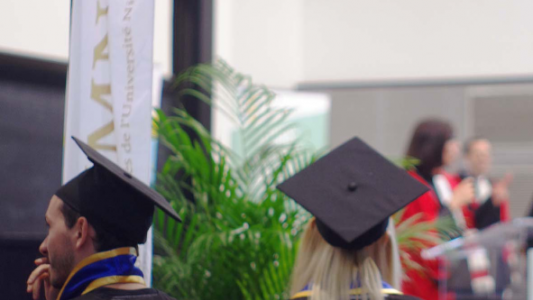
137 185
352 189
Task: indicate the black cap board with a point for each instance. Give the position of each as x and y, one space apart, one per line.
112 199
352 191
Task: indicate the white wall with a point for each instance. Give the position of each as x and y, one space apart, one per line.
40 29
368 39
35 28
285 42
263 38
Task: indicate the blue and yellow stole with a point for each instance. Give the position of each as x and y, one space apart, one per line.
100 269
386 290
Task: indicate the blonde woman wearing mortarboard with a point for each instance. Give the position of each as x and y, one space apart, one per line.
348 249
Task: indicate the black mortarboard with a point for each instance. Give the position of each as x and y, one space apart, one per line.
352 192
111 199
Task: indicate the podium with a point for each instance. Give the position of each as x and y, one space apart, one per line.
496 263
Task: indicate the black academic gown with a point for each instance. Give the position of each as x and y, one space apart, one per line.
114 294
485 214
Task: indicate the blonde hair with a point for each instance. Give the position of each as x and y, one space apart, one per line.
331 270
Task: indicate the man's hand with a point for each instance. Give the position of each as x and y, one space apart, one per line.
500 190
463 194
41 277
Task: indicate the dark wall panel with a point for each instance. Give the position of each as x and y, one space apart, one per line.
32 94
16 264
31 131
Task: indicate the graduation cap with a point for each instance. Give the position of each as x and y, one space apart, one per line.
112 199
352 192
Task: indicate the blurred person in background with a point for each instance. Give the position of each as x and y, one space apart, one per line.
433 145
490 204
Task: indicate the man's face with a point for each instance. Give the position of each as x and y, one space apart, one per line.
57 246
479 157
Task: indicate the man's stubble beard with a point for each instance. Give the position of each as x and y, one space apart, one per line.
61 265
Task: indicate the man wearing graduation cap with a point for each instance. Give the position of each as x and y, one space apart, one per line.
95 223
345 251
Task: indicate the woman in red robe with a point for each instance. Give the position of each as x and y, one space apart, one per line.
433 145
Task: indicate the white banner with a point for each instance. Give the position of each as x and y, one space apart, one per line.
109 90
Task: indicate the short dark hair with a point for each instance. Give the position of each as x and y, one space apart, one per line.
104 240
71 216
427 144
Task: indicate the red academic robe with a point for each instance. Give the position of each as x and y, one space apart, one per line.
417 284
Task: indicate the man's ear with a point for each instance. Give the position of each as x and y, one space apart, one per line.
84 233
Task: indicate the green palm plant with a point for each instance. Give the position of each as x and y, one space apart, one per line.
238 238
414 235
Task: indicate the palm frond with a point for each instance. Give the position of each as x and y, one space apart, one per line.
258 123
414 234
238 236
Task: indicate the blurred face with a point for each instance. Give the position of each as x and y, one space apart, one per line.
451 152
57 245
479 157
